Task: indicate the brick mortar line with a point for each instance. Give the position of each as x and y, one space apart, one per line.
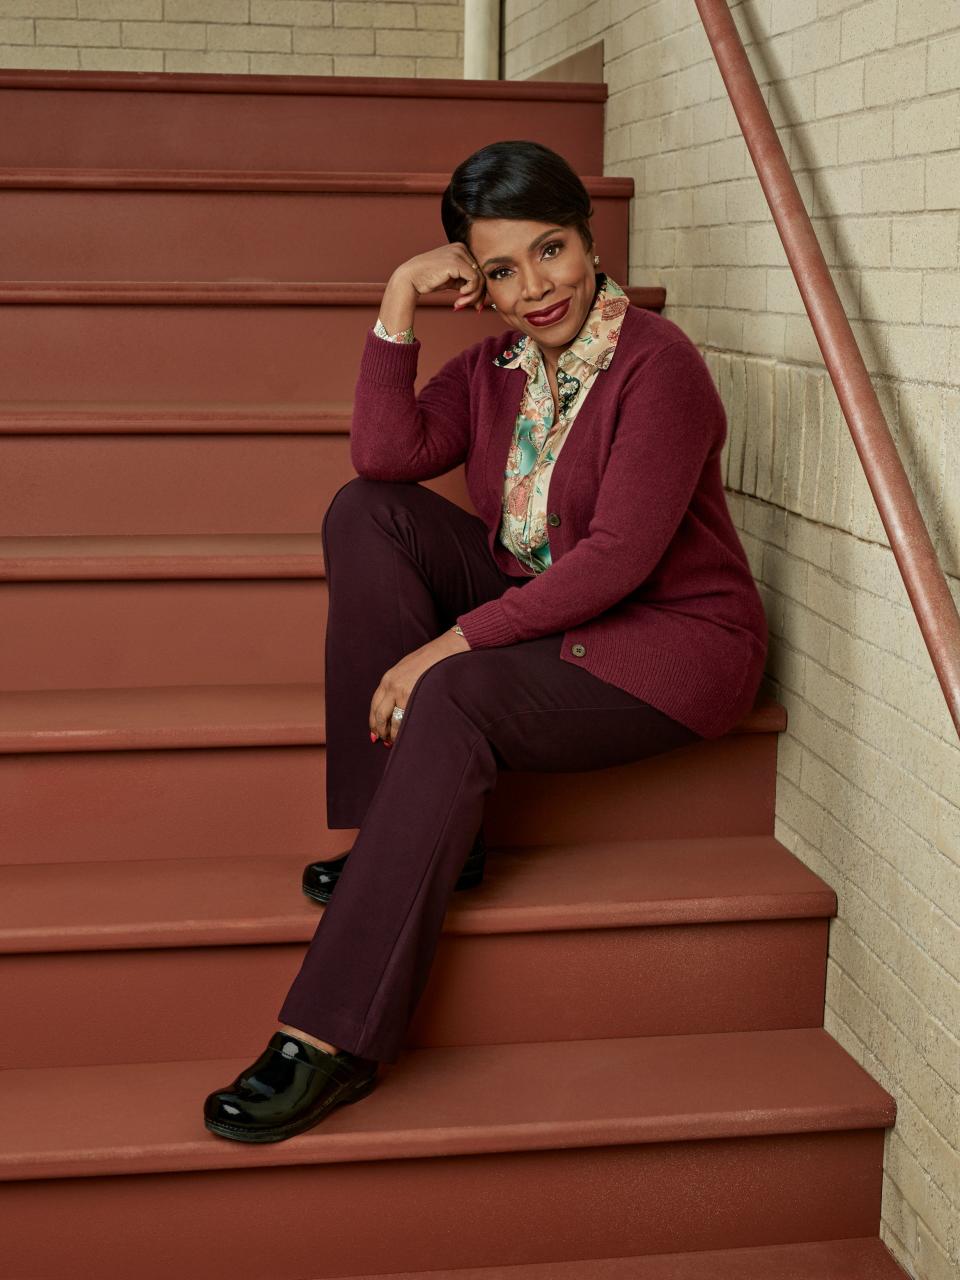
846 973
929 676
887 379
896 1135
873 901
852 782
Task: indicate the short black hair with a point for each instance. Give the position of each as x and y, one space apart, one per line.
515 179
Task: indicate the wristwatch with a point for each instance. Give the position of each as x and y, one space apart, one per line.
458 629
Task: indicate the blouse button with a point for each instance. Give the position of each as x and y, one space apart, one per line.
553 518
579 650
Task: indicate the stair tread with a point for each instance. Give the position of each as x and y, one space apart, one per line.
253 292
190 716
179 902
127 1118
398 182
128 556
325 86
858 1258
161 716
96 417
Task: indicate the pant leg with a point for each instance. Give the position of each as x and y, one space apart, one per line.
514 706
401 563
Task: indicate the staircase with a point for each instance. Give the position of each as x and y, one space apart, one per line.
618 1069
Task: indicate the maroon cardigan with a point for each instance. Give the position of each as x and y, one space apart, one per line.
649 584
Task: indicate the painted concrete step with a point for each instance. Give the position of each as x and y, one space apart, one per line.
161 557
193 341
108 634
107 612
173 417
860 1258
91 634
258 292
151 477
202 120
680 936
199 716
238 770
179 484
233 225
525 1153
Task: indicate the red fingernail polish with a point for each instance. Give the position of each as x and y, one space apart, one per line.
373 736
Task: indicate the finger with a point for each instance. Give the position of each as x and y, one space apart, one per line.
380 709
399 700
473 280
473 273
392 727
387 725
477 302
465 253
374 703
471 294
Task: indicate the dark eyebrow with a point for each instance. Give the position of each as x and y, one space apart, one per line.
533 244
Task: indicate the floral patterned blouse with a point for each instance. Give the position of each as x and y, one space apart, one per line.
541 429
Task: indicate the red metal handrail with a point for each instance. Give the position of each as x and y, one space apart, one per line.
922 575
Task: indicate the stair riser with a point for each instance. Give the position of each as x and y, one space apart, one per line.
855 1258
485 1210
274 131
177 484
102 805
238 235
206 803
98 635
280 354
173 1005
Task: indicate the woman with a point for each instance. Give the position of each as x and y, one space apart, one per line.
599 609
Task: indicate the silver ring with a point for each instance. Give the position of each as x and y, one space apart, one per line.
397 713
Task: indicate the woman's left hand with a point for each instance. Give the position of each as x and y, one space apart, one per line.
395 685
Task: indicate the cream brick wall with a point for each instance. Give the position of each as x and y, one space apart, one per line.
866 97
268 37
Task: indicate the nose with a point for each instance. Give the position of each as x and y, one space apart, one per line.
533 285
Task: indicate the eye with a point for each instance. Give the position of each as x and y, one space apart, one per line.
551 244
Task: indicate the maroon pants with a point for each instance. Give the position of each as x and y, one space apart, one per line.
402 562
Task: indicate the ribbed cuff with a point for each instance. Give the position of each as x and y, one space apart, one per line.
391 364
487 626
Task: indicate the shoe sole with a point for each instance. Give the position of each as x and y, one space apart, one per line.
467 880
240 1134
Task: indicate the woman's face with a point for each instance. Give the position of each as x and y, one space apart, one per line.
531 266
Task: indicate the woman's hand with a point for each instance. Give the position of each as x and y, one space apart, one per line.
451 266
396 684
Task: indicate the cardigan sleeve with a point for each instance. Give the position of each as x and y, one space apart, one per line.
671 419
395 433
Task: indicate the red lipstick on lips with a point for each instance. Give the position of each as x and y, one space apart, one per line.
550 316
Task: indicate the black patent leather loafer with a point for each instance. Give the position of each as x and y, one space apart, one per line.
320 878
290 1088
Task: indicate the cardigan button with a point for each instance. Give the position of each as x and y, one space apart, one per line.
553 518
579 650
